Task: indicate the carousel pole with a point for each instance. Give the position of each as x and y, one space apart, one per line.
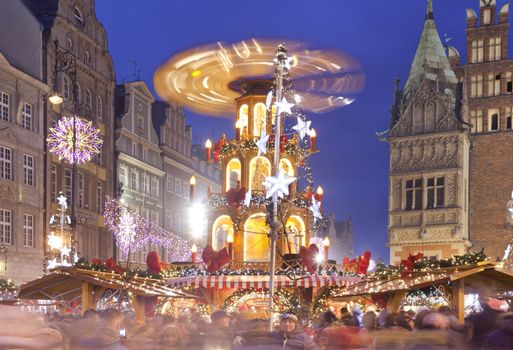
274 228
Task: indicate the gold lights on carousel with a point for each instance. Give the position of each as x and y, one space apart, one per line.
229 241
194 253
192 187
326 248
313 139
208 150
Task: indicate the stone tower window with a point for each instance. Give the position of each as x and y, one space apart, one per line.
77 14
435 192
413 194
494 122
508 118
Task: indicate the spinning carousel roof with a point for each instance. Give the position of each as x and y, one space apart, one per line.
207 79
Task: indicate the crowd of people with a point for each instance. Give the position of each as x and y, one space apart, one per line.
110 329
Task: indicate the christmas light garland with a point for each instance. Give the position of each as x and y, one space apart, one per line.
134 232
88 140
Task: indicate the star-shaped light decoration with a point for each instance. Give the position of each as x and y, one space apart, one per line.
284 106
247 198
52 264
65 251
278 184
287 63
302 127
315 208
63 201
262 143
269 100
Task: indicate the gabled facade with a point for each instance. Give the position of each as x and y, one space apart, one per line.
75 26
140 178
429 157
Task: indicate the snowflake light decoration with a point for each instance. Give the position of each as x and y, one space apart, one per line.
88 143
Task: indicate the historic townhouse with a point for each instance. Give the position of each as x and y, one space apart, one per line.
22 160
139 165
74 24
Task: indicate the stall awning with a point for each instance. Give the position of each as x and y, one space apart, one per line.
246 282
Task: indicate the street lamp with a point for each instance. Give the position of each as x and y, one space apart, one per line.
66 62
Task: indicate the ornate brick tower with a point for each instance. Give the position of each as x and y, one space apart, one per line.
429 147
488 74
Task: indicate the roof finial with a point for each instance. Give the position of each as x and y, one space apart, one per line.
429 10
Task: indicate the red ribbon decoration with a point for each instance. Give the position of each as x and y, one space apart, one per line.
215 260
217 150
409 264
152 261
308 257
360 264
235 196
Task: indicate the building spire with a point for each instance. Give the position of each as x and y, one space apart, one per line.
430 62
429 10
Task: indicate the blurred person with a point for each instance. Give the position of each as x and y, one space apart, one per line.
346 318
433 335
357 316
482 323
370 321
501 338
327 319
391 336
170 338
220 333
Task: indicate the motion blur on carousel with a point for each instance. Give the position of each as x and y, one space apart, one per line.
489 326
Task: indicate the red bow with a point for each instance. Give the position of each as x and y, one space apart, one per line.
360 264
152 261
217 150
409 264
215 260
111 265
308 257
234 196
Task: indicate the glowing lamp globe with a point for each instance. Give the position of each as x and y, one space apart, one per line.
194 249
326 242
320 191
208 144
55 99
192 181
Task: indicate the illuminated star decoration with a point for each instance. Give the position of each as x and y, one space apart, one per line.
315 208
247 198
278 184
52 264
302 127
269 100
88 140
287 62
284 106
127 231
62 201
65 251
262 143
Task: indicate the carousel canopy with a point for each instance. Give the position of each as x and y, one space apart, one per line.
261 281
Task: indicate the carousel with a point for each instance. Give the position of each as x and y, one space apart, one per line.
263 254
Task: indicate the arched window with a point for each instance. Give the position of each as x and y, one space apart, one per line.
259 169
79 19
256 241
296 235
233 173
221 229
258 119
99 108
89 100
79 94
87 56
242 121
286 165
494 122
66 88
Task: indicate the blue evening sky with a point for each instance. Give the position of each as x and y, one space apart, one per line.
352 166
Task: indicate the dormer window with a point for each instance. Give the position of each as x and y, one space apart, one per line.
79 19
487 16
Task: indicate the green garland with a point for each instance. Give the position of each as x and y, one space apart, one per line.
234 147
283 299
427 264
321 302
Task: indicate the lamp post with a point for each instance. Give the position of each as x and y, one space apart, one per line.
66 62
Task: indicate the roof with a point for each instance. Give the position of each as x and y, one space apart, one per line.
482 275
430 60
66 284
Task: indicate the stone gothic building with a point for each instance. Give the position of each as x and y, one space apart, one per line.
451 170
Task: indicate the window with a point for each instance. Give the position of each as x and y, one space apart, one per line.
99 157
99 108
169 183
79 94
28 230
477 51
154 187
435 192
476 120
140 122
5 163
81 190
154 217
53 179
77 14
87 56
4 105
185 189
493 120
178 221
5 227
122 175
145 154
145 184
169 219
99 197
70 44
494 53
133 180
67 184
134 149
28 170
508 118
413 194
487 16
494 84
509 83
89 100
476 86
26 116
66 88
178 186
